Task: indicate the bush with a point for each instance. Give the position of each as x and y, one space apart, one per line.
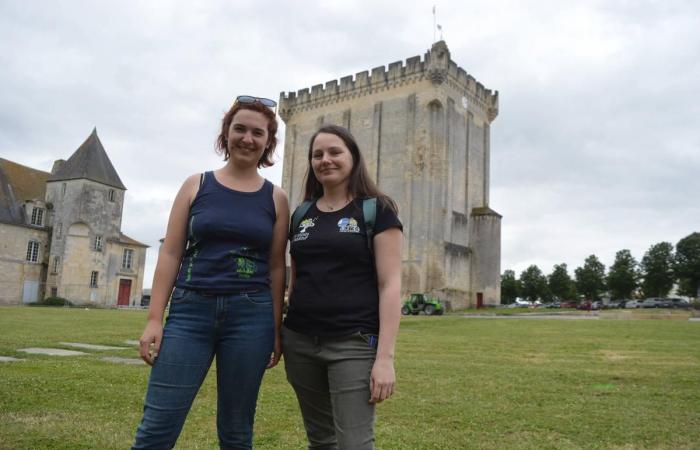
53 301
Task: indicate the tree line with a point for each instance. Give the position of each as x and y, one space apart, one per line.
661 267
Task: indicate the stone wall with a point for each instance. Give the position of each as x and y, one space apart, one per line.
15 270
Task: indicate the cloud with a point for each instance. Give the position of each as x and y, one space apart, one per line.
596 146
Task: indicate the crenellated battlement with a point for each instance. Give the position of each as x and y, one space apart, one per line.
435 66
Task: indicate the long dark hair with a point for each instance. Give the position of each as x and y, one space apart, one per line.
222 140
360 184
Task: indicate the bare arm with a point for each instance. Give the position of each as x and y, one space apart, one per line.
169 259
277 266
387 257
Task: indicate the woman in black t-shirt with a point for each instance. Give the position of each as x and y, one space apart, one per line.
344 308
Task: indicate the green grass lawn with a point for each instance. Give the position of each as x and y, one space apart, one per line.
462 383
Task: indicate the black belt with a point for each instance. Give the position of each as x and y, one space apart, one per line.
206 293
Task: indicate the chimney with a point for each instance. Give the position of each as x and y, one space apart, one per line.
57 165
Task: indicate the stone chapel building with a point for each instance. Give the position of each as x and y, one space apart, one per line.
424 129
60 232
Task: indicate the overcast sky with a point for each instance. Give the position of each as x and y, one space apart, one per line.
596 147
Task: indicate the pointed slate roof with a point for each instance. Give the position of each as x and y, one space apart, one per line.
90 162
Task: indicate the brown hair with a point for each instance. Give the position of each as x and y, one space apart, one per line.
360 184
222 139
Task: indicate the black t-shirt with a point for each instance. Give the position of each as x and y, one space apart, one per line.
335 290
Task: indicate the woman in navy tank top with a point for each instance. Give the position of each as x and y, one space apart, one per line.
222 267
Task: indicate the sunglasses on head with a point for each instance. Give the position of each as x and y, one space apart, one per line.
247 99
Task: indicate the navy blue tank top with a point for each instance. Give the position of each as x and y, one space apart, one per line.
228 239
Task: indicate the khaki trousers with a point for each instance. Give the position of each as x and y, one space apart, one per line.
331 379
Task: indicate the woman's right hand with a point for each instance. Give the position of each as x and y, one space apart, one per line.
149 344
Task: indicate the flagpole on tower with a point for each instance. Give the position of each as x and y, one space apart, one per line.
434 23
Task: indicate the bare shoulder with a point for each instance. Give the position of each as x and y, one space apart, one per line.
279 195
190 187
192 180
281 201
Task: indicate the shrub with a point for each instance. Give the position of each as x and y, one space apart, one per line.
53 301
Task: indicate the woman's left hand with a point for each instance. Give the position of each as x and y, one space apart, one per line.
382 380
276 352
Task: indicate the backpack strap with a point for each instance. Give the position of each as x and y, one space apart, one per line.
299 213
369 213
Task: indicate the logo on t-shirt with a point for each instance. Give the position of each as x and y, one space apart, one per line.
303 234
245 266
348 225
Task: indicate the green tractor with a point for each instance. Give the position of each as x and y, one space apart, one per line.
421 302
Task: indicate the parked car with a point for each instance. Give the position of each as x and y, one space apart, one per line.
585 305
568 304
632 304
663 303
623 303
651 303
554 304
614 304
679 303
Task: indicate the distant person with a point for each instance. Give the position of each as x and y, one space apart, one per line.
340 331
224 255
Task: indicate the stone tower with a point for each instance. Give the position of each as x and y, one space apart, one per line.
424 128
87 199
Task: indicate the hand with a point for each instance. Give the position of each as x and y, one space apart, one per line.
382 380
276 352
149 344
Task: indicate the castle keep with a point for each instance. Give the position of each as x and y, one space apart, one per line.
424 129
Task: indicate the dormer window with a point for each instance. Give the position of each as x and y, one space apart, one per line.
111 195
37 217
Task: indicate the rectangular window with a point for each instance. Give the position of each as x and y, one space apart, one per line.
127 258
54 292
111 195
56 262
38 216
93 279
59 230
63 189
33 251
98 243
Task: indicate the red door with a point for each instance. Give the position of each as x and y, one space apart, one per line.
479 299
124 292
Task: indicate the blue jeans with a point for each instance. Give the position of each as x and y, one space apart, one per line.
239 331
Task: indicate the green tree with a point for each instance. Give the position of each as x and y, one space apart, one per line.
510 287
590 279
657 270
623 277
686 264
533 284
684 288
560 283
